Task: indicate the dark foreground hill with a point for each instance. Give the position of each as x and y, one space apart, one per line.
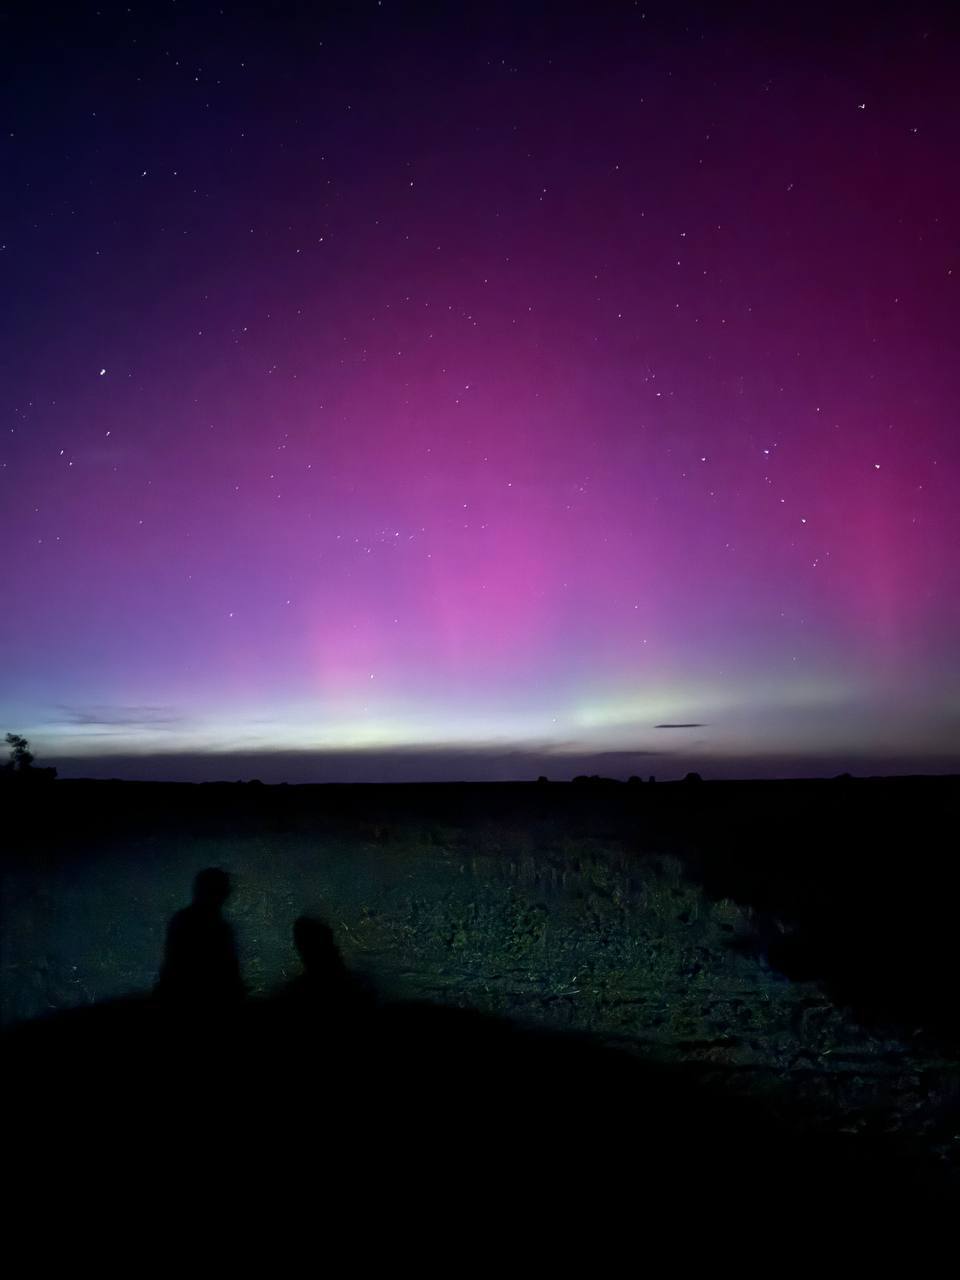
692 998
426 1107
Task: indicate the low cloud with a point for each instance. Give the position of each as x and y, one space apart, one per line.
106 719
679 726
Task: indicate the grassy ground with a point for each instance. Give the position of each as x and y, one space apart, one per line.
692 928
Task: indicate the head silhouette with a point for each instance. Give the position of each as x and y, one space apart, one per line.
315 945
211 888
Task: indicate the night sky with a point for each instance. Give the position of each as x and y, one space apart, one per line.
408 391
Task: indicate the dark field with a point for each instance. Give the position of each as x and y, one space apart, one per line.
678 995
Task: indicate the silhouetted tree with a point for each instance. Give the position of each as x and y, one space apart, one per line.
21 757
21 763
693 777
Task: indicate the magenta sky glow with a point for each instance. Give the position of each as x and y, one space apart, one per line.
452 394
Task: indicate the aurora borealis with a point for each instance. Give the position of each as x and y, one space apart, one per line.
409 391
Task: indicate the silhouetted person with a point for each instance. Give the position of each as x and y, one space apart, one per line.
321 1021
200 966
325 978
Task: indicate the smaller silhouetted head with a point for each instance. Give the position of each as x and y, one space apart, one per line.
316 945
211 888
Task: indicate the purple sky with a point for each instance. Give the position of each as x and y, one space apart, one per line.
470 393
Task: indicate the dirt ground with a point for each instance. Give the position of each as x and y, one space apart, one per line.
653 923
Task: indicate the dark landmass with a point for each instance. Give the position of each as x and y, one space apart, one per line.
529 987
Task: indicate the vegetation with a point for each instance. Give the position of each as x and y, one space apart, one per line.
769 939
21 761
